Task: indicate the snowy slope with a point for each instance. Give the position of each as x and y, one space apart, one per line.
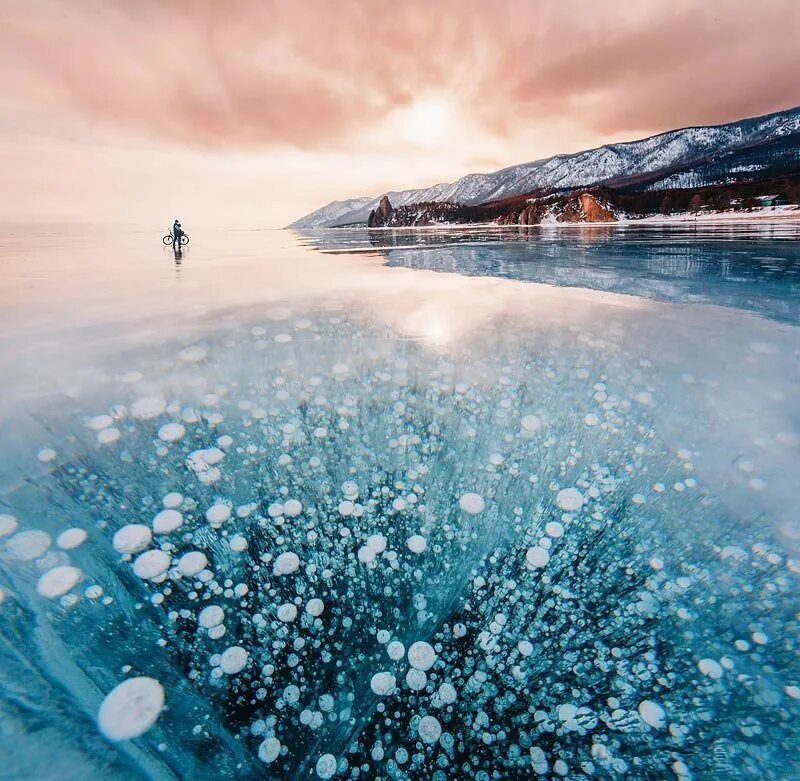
331 213
664 151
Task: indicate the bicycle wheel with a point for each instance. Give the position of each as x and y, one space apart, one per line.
184 239
167 239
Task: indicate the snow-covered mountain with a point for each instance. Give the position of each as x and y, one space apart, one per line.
667 152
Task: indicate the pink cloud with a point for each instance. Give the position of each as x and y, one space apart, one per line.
269 74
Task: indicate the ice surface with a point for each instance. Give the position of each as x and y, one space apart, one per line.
415 559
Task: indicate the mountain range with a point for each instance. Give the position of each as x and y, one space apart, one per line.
759 148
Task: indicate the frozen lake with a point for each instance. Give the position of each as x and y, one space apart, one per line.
304 507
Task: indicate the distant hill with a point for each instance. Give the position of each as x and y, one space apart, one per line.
760 148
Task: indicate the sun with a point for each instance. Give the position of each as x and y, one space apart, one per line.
426 121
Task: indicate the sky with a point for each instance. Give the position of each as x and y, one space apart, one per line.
253 113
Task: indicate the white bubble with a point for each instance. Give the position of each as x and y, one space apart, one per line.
315 607
132 538
108 435
233 660
292 508
366 554
537 557
287 613
131 708
569 499
99 422
172 500
447 694
28 545
383 683
396 650
326 766
286 563
217 514
417 543
531 423
171 432
58 581
554 529
416 680
269 750
151 564
429 729
148 407
46 455
71 538
471 503
8 523
211 616
192 563
711 668
421 655
652 713
377 543
167 521
211 455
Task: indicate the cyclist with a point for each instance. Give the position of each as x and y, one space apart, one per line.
177 232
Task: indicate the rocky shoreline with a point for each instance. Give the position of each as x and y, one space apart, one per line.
595 205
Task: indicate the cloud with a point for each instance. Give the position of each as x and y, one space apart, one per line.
273 73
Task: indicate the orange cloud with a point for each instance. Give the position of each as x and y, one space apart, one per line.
250 74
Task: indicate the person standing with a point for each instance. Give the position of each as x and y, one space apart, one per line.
177 233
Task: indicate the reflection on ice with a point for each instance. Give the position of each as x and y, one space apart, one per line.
682 264
310 544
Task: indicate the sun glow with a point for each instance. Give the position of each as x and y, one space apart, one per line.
426 122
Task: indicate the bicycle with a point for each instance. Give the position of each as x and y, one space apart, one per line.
169 239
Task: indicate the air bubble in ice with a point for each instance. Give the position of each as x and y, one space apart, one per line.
167 521
233 660
151 564
286 563
71 538
569 499
429 729
131 708
421 655
132 538
58 581
383 683
471 503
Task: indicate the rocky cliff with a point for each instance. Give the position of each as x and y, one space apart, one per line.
415 214
380 216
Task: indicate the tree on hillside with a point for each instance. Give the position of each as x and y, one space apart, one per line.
696 203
